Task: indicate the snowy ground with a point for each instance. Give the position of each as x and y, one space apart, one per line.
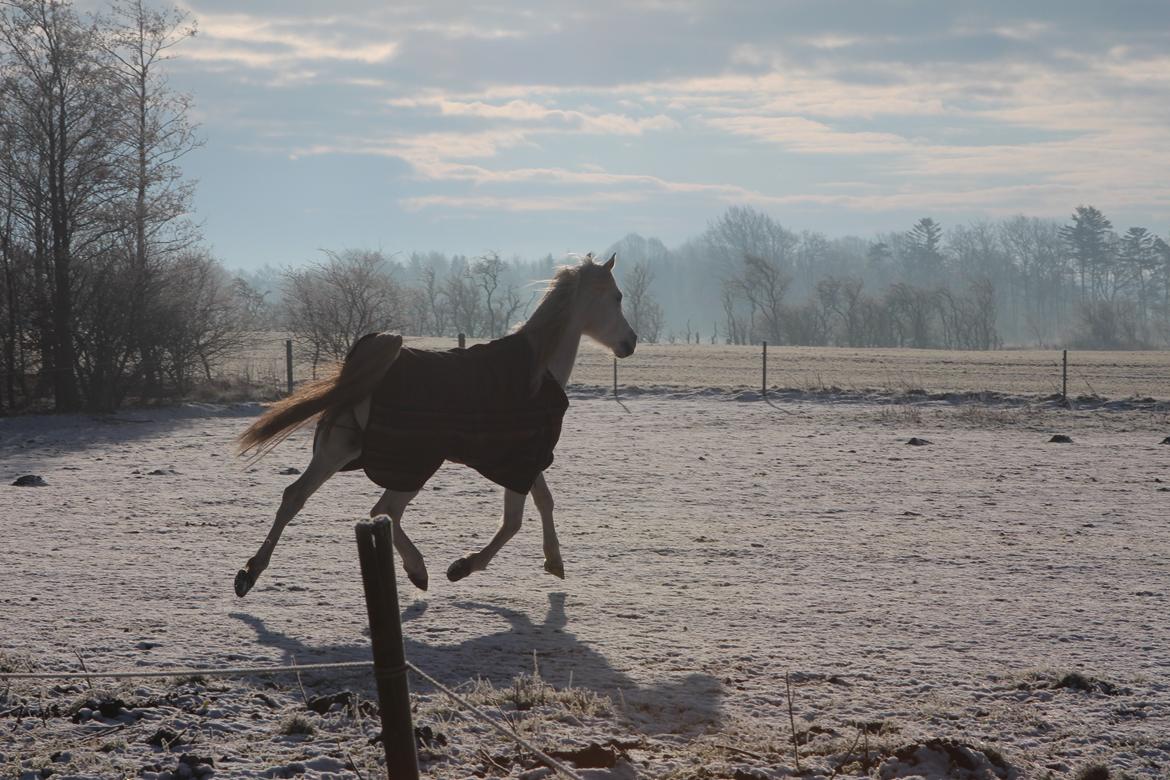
989 601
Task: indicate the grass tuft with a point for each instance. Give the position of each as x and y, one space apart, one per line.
297 724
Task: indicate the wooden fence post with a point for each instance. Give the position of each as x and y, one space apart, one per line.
376 553
288 363
764 385
462 341
615 395
1064 378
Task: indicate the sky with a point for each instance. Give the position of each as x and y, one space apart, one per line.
528 129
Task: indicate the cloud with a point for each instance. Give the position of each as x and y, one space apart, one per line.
808 136
534 113
825 106
519 110
557 203
269 43
430 153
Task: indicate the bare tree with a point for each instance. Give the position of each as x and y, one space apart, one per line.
807 323
742 231
102 337
330 305
1035 247
416 312
154 133
642 311
840 297
14 271
488 272
765 284
436 307
734 320
202 317
511 305
124 338
979 316
58 109
464 305
876 327
909 309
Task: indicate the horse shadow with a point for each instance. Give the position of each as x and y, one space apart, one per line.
684 705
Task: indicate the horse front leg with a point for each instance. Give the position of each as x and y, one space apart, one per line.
513 517
393 503
542 497
334 449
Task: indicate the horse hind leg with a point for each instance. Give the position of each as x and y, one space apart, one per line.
393 503
513 517
333 449
542 497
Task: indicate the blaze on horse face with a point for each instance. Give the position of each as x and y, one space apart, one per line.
604 321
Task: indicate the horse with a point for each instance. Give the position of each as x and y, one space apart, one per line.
362 420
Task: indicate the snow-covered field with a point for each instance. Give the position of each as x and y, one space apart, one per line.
989 604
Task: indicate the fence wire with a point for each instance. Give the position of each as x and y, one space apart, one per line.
231 671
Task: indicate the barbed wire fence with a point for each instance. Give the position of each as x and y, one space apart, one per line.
237 671
375 548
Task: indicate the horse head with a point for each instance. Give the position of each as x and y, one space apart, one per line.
602 306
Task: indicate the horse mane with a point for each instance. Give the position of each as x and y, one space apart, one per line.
547 324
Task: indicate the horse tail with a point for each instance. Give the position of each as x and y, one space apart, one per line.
348 384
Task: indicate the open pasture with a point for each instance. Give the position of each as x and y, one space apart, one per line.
680 367
988 598
1007 372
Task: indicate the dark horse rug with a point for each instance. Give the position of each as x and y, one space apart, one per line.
472 406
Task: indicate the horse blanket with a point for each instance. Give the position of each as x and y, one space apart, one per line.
473 406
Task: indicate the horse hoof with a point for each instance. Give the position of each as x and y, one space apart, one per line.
244 583
555 568
419 581
460 569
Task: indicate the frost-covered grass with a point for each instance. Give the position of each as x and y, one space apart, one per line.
987 601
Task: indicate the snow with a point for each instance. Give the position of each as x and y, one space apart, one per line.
916 597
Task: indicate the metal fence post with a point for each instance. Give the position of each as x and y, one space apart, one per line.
764 384
376 552
288 363
1064 378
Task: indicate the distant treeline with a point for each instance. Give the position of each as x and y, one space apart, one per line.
746 279
1021 281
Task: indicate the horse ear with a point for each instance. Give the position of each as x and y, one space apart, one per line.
610 262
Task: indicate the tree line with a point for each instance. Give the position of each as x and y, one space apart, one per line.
746 279
326 305
105 291
1020 280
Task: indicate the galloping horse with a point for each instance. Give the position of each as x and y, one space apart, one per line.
497 407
